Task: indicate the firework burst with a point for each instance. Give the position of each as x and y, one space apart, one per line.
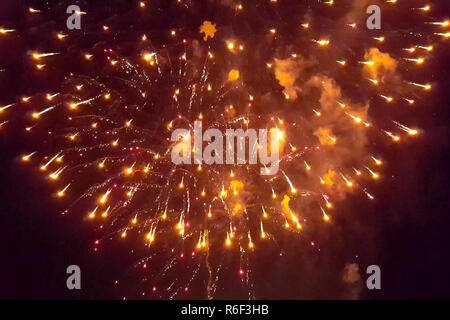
314 79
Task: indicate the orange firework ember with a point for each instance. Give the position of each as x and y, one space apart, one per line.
104 136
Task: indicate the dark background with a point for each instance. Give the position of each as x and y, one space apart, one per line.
410 219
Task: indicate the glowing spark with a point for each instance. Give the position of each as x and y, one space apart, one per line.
325 216
369 63
129 170
348 182
250 243
209 212
263 234
329 205
307 167
102 164
55 175
369 195
27 157
443 23
274 195
342 105
228 241
36 115
411 50
322 42
6 107
388 99
425 86
5 31
426 8
410 131
44 167
445 35
61 192
374 174
410 101
394 137
293 190
92 213
38 56
264 213
377 162
428 48
104 198
105 213
418 61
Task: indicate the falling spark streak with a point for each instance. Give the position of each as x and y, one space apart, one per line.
410 101
418 61
342 105
105 213
92 213
410 131
443 23
425 86
445 35
62 192
411 50
369 63
293 190
75 105
44 167
388 99
348 182
51 96
374 174
143 97
429 48
329 205
27 157
377 162
55 175
104 198
356 119
5 31
6 107
264 213
325 216
394 137
38 56
263 233
322 42
381 39
36 115
369 195
250 243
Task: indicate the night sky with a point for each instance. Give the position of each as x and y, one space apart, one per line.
405 230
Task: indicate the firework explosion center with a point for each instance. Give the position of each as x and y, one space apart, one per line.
214 151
